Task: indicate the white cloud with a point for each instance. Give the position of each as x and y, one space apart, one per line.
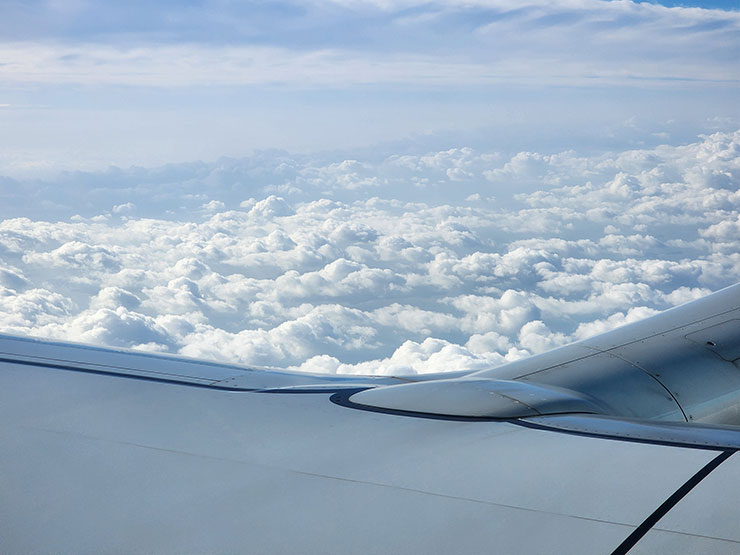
12 278
396 283
125 208
270 207
28 311
214 206
115 297
118 327
724 232
619 319
429 356
76 254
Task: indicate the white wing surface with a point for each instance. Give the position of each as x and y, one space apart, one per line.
622 443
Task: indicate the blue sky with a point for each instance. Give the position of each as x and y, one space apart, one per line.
88 84
711 4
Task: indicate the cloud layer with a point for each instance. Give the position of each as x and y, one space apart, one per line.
450 260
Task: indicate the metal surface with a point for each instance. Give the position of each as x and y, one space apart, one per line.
477 398
712 508
719 338
94 463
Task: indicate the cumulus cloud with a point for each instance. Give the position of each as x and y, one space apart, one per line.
431 355
116 326
442 261
75 254
12 278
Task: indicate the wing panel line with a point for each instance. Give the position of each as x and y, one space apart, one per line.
189 382
669 503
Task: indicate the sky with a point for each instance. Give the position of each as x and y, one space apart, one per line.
86 84
363 186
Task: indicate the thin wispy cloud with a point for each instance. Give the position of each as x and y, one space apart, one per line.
492 42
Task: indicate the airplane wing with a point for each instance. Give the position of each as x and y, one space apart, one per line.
625 442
